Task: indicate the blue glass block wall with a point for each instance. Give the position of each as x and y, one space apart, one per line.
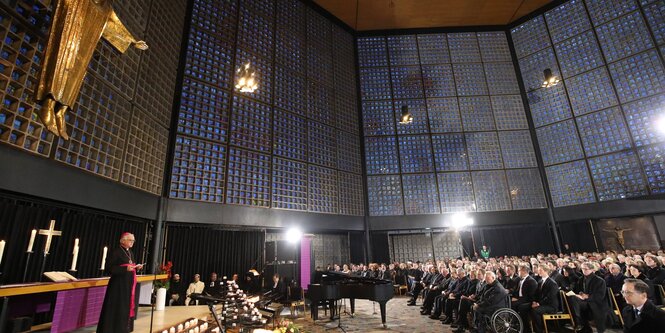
468 147
596 128
292 144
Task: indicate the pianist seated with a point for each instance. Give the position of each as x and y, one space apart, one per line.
277 291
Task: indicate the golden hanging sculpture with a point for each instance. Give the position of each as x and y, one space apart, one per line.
76 29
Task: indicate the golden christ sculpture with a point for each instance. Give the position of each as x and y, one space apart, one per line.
76 29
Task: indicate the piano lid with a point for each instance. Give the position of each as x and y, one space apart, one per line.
332 277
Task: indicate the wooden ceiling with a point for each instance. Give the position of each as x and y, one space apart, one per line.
406 14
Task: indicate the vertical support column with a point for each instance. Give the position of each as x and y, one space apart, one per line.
157 232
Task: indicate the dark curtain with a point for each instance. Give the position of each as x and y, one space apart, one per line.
203 249
95 229
515 240
380 247
357 247
578 236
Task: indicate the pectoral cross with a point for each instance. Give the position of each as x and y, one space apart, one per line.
50 232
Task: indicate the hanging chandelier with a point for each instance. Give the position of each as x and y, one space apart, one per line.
247 81
406 117
551 80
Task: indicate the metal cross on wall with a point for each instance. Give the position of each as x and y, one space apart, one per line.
50 232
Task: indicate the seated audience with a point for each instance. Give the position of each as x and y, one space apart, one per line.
177 291
195 287
640 315
591 302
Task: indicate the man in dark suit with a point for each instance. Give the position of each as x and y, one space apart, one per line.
452 302
512 279
591 301
640 315
547 298
492 299
555 275
524 295
214 287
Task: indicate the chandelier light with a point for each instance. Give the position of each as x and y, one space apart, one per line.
247 81
551 80
406 117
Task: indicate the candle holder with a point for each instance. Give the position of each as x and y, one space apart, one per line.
41 271
101 273
27 263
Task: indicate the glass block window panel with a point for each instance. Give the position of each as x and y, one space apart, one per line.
530 37
418 110
494 46
290 90
372 52
402 50
517 149
591 91
321 147
450 152
348 152
218 17
532 68
248 180
198 170
456 192
653 161
570 184
209 59
290 135
549 105
639 76
261 7
415 154
385 195
655 15
617 176
463 47
567 20
251 124
346 111
290 37
579 54
256 32
484 151
420 194
407 82
526 189
559 143
378 118
643 116
605 10
476 113
289 184
381 155
438 80
491 190
624 37
320 103
501 78
351 199
444 115
433 49
646 2
375 83
509 112
263 68
603 132
323 190
203 111
470 79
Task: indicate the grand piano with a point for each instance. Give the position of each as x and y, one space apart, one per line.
335 286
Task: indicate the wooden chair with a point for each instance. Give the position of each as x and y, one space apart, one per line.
615 305
564 312
295 302
661 292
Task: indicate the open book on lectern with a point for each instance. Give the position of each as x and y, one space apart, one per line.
59 276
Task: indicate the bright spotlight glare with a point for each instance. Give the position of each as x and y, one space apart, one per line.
660 124
293 235
461 220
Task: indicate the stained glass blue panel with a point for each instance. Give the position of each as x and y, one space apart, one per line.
579 54
639 76
420 194
570 184
263 68
463 47
532 68
385 195
351 199
494 46
375 83
319 103
372 52
319 48
456 192
484 151
248 181
444 115
433 49
256 32
203 111
407 82
415 154
643 116
348 152
418 110
530 37
381 155
517 149
450 152
322 147
617 176
624 37
567 20
209 59
290 36
491 190
218 17
655 15
251 124
476 113
290 139
378 118
549 105
198 170
470 79
526 189
603 132
403 50
501 78
289 184
509 112
605 10
438 80
290 90
653 160
591 91
322 192
559 143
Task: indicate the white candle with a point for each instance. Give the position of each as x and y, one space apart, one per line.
2 250
104 257
76 245
32 239
76 254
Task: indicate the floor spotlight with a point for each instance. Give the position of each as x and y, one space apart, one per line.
293 235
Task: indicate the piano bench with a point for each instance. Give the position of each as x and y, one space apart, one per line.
293 307
400 288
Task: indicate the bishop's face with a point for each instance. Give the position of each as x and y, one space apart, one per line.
128 241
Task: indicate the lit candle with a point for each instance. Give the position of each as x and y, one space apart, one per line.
104 257
76 254
2 250
32 239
